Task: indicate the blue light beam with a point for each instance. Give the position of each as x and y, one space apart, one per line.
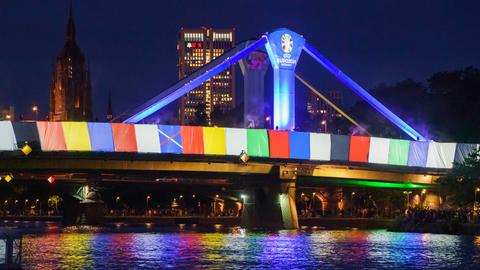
197 78
363 93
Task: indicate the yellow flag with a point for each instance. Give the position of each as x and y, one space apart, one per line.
76 135
214 141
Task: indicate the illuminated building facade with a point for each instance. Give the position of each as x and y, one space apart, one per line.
71 90
317 106
197 47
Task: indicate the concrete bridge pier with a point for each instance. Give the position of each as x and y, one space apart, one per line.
93 206
270 205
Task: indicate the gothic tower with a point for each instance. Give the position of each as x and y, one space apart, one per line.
71 89
109 108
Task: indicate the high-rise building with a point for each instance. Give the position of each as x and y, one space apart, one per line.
71 89
317 106
197 47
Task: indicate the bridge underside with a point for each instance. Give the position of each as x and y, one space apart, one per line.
207 170
269 186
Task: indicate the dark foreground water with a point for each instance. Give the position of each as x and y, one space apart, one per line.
234 248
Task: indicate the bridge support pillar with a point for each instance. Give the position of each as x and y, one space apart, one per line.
93 206
288 205
270 205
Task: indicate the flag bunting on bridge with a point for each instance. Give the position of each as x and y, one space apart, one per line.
258 143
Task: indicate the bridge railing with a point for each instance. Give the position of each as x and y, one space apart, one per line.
171 139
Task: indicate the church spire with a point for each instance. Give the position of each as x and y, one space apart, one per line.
109 109
71 26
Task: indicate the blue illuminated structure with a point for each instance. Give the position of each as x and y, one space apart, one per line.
284 48
363 93
189 83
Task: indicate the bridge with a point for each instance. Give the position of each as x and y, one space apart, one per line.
89 152
271 162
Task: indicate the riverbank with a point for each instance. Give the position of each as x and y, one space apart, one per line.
321 222
403 224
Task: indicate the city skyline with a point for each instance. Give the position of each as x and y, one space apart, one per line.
146 46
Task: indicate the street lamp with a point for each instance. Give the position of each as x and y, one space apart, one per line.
35 110
408 197
351 202
243 197
424 191
37 207
267 119
475 202
324 123
314 194
146 208
117 199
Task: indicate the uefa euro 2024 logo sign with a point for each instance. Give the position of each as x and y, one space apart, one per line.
287 43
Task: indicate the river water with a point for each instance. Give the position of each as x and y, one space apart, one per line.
233 248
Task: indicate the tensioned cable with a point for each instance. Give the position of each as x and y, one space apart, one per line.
324 98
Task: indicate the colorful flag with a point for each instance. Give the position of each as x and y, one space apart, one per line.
257 143
192 138
417 154
320 146
77 137
236 141
359 147
124 137
101 137
299 145
214 141
51 136
26 132
170 139
147 137
398 152
279 144
8 141
378 152
340 147
441 155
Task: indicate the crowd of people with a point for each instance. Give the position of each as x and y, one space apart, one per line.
419 215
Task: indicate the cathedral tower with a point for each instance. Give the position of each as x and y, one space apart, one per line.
71 89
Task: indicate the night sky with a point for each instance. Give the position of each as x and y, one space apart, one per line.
131 45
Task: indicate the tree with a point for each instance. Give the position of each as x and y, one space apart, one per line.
461 183
445 110
401 98
453 105
54 201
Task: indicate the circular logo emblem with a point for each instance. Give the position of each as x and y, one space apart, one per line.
287 43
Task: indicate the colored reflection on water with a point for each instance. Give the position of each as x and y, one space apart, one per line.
239 249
